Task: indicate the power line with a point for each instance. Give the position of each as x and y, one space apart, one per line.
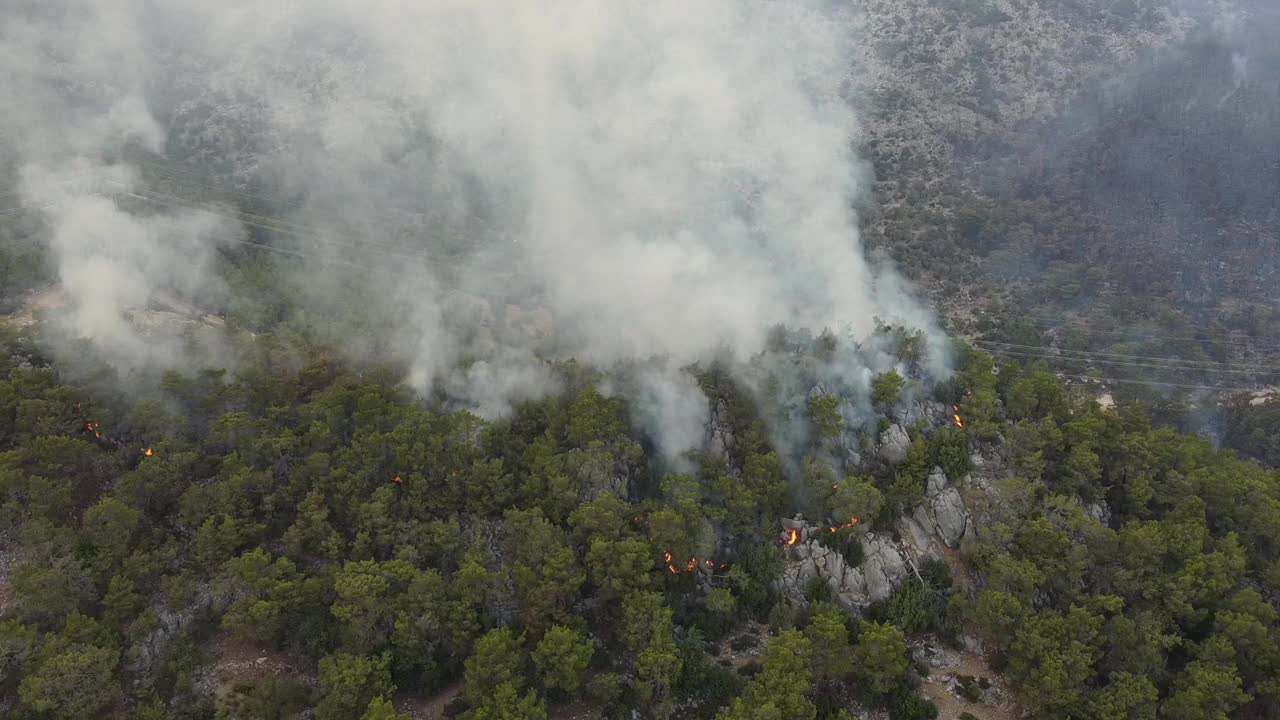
367 246
1123 363
26 208
166 170
1215 388
1088 354
1269 343
245 219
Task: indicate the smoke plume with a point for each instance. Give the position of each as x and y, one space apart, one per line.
443 180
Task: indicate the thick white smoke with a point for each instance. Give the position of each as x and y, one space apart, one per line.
664 177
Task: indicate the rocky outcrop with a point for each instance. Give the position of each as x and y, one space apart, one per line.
720 440
942 520
919 539
943 511
150 650
883 569
933 414
894 444
989 466
884 566
1099 512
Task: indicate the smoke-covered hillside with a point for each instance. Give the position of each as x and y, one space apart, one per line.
737 359
1089 185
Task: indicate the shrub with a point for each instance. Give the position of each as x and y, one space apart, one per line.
818 590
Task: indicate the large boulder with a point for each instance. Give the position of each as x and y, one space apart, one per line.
950 517
936 483
883 569
894 444
943 512
919 538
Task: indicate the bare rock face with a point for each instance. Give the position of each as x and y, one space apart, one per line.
883 569
150 650
943 513
950 517
931 413
894 444
919 538
720 440
1099 512
936 483
989 467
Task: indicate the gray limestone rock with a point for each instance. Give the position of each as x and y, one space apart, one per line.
808 570
950 517
882 569
937 481
918 535
894 444
1099 512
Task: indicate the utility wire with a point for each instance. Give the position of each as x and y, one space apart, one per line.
1089 354
1269 343
1124 363
374 247
1215 388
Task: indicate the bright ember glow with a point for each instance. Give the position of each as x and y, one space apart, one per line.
852 521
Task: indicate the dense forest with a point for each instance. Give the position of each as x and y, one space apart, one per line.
381 543
297 418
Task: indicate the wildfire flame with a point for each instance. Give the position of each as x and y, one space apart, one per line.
397 479
955 413
147 452
794 537
852 521
690 566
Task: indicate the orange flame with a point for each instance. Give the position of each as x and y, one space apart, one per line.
147 452
397 479
693 564
955 413
852 521
794 537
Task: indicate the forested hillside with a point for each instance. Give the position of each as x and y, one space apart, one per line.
385 550
731 360
1091 184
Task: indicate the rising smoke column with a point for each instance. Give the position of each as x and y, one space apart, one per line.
666 178
74 74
